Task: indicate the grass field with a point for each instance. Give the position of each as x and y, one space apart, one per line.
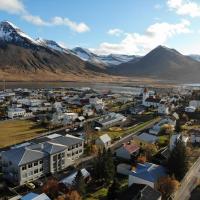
16 131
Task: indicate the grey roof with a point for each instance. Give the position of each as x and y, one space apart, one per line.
52 148
67 140
148 193
31 153
24 155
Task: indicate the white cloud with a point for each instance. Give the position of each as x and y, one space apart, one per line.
12 6
36 20
78 27
116 32
17 7
135 43
183 7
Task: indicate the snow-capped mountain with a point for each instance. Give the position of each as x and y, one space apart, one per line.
86 55
117 59
11 33
108 60
52 45
19 54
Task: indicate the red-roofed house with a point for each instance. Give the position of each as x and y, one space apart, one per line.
128 151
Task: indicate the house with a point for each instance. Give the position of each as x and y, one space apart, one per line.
109 120
157 127
138 110
124 169
195 103
104 141
53 154
16 112
147 138
163 108
152 102
190 109
68 181
147 174
128 151
178 138
148 193
34 196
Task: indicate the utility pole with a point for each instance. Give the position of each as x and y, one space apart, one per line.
4 84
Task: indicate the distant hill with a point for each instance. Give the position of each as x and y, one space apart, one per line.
162 63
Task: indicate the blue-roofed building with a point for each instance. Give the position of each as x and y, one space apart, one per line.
147 174
34 196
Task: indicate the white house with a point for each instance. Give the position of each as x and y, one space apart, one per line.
195 103
103 141
147 174
16 112
190 109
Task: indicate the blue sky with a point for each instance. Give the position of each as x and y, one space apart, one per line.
110 26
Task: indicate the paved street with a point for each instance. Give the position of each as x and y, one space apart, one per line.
190 181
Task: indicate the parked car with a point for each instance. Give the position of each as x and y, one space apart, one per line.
30 185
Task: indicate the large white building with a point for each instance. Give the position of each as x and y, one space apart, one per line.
28 163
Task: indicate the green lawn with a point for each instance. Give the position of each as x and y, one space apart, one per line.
98 195
102 193
16 131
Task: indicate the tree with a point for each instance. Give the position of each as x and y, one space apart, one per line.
109 167
113 190
167 186
141 159
178 126
104 168
51 188
73 195
79 183
177 163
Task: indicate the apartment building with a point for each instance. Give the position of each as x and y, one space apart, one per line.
16 112
28 163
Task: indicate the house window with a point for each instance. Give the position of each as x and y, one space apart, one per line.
30 165
55 158
41 169
63 154
30 173
41 161
80 151
54 165
35 163
24 175
24 167
35 171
